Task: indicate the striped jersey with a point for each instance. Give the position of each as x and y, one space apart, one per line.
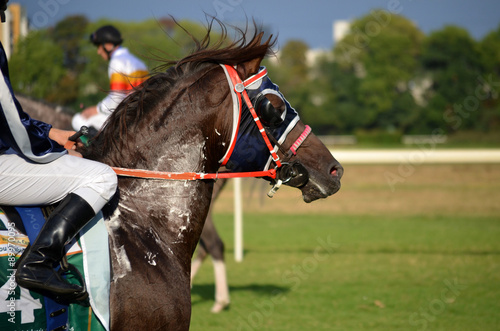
125 72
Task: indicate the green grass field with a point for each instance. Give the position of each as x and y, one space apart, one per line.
418 253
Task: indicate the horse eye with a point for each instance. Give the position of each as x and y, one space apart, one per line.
270 109
277 102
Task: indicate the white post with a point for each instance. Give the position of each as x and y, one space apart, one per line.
238 221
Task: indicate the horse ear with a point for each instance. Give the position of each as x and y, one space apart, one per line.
249 68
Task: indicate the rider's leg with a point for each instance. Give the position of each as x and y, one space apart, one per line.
36 266
26 183
82 186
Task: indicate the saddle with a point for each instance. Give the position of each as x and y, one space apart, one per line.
88 255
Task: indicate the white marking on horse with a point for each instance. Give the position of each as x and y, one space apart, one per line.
123 266
121 205
181 230
150 258
318 186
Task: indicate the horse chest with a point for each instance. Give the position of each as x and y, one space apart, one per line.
166 213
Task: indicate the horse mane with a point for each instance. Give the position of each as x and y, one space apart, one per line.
160 86
223 50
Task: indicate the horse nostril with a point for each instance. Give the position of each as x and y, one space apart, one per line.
334 172
337 171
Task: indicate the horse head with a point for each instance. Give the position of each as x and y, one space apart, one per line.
299 157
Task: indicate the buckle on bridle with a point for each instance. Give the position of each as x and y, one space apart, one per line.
275 188
293 174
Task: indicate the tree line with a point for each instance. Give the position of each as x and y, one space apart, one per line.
384 76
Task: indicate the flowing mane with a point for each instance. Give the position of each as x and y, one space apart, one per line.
165 83
239 51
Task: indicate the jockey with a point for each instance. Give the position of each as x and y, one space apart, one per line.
125 72
36 170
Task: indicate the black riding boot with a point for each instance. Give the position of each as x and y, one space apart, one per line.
36 266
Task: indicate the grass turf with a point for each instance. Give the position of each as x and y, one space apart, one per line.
348 263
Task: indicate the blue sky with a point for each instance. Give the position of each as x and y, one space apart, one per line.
307 20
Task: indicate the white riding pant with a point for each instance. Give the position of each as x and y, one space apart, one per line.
23 182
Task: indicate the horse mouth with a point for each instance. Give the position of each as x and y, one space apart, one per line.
321 186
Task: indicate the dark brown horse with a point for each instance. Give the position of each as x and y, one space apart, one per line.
182 121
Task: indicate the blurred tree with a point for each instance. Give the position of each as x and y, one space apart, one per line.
293 57
300 85
75 74
37 66
452 59
67 34
336 108
490 51
382 50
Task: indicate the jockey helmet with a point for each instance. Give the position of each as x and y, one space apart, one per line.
106 34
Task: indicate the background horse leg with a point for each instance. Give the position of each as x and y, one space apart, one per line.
211 243
200 255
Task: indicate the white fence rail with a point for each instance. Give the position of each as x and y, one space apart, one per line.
335 140
416 156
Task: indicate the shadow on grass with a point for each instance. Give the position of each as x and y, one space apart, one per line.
205 292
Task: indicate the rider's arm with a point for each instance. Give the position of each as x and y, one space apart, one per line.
109 104
125 72
18 131
117 86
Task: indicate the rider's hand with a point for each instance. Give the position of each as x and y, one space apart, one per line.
62 136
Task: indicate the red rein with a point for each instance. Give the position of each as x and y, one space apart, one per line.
139 173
